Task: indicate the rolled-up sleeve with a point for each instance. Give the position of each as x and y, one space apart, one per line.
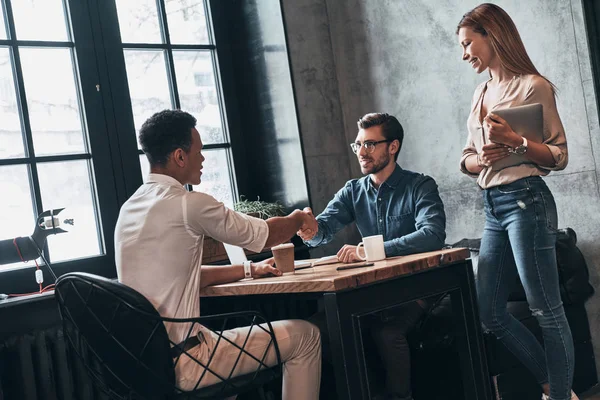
468 151
555 139
204 215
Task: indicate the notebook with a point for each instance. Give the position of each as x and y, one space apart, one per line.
326 260
527 121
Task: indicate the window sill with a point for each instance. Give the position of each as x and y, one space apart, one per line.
29 299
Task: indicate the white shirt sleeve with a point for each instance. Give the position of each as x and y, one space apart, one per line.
204 215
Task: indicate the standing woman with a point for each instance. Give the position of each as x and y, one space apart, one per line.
521 221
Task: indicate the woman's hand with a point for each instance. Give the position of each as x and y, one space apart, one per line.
264 268
499 132
490 153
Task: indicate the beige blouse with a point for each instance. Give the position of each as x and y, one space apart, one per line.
522 90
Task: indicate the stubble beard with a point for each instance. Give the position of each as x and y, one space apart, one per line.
376 165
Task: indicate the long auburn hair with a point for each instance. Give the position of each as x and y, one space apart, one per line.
492 21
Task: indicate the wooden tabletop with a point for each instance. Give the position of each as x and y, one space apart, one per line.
326 278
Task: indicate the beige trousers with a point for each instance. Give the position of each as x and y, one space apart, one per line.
299 345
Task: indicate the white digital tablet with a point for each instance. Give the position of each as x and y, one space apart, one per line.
236 254
527 121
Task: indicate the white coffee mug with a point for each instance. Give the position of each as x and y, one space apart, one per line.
373 247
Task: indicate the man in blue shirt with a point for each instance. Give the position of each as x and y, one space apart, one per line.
404 207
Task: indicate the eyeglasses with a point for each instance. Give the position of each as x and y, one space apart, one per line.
368 145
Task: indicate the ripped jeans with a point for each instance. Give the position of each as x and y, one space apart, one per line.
520 237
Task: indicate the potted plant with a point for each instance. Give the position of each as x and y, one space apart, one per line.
260 209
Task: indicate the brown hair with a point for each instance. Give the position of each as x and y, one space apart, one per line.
492 21
390 127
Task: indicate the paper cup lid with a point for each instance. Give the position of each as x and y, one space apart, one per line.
283 246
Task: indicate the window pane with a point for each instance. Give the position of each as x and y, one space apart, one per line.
16 209
2 25
187 22
198 92
52 101
39 20
66 184
215 176
11 139
145 166
138 21
148 85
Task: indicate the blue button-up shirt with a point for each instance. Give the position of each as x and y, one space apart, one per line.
406 210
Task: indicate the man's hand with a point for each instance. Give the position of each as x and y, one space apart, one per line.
281 229
264 268
347 254
310 227
490 153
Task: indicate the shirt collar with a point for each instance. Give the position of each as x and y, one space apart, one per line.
392 181
163 179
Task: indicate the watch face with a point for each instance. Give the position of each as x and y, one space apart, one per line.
520 150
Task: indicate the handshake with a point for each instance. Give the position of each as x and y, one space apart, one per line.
309 226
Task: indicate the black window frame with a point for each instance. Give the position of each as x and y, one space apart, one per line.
94 39
591 11
168 48
22 280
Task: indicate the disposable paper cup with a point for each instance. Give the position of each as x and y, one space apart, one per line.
284 257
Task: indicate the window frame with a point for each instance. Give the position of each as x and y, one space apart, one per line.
121 98
106 204
591 11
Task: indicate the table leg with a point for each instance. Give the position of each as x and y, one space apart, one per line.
349 382
469 338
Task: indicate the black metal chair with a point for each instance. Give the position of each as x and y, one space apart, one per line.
123 343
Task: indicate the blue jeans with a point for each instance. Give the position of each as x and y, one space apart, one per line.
520 237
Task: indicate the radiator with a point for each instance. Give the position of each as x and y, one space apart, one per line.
36 366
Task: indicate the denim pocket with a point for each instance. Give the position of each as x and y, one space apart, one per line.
399 218
400 225
549 212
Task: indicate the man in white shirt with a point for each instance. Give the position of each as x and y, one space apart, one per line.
158 250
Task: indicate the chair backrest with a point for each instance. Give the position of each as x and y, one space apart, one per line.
118 334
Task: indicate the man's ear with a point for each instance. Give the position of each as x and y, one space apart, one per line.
179 157
395 145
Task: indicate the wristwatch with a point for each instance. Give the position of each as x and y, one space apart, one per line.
247 269
522 148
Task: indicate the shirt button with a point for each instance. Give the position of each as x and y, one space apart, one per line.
380 220
379 199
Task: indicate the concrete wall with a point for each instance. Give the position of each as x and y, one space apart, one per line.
327 154
355 56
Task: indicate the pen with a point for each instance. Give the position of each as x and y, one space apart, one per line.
351 266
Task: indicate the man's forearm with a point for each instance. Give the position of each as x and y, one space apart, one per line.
421 241
217 274
282 229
